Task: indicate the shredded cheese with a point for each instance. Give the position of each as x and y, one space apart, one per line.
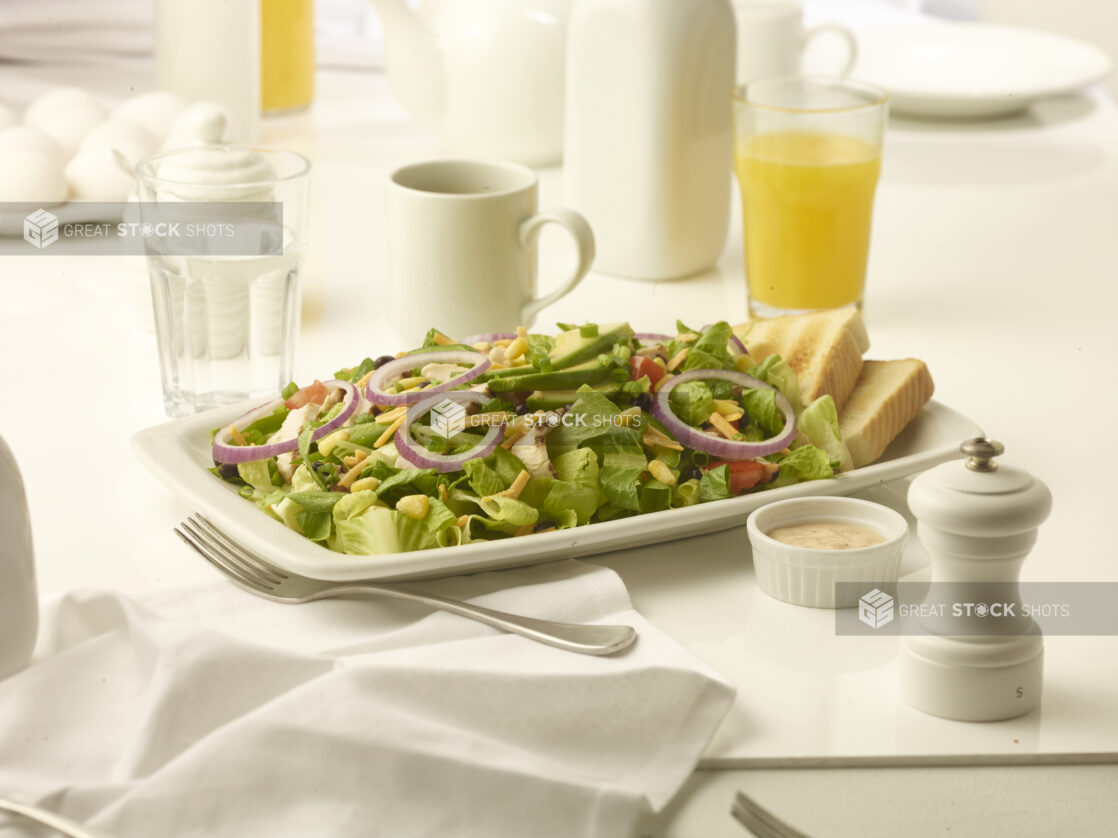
390 416
513 491
678 359
390 432
721 425
653 438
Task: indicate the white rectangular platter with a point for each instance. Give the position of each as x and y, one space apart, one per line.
178 454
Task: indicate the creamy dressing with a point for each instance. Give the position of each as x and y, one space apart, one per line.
827 535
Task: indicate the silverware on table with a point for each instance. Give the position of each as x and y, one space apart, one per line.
55 822
760 821
261 577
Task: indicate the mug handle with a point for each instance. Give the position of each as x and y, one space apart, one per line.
580 230
842 32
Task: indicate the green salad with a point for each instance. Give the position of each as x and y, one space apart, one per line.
504 435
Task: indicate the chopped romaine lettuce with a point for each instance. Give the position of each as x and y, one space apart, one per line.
776 372
805 463
483 479
760 406
715 484
692 402
818 425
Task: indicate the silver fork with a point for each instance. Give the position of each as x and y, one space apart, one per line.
760 821
261 577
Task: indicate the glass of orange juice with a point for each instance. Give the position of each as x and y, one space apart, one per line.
807 153
286 55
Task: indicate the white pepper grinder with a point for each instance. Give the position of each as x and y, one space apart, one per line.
19 601
980 658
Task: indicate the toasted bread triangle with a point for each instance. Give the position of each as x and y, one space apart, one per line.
823 348
887 396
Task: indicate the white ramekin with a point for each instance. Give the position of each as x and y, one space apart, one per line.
807 575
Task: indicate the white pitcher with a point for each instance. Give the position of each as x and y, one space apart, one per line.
485 76
19 602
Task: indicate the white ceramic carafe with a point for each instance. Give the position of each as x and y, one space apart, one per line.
978 520
647 152
19 602
485 76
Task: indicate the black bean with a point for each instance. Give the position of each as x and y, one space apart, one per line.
382 360
644 402
522 408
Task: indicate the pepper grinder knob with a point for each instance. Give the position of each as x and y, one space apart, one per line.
982 452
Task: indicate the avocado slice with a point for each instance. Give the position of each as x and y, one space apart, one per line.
489 375
590 372
572 348
554 399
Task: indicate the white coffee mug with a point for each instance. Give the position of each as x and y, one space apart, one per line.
771 40
461 242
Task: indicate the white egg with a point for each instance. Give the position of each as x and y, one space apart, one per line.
133 141
7 117
94 175
70 127
29 138
203 122
58 100
156 111
32 177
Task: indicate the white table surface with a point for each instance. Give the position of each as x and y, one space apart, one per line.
993 259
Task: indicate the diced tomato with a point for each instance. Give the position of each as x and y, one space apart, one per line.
640 365
744 474
316 393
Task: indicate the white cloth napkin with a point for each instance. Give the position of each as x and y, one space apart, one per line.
210 712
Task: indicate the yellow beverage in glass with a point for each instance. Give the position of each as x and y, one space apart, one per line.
807 201
807 154
286 54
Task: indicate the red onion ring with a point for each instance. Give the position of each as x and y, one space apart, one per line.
223 452
349 405
726 449
374 388
420 457
654 337
488 337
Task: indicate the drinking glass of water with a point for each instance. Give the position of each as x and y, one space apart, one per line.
224 229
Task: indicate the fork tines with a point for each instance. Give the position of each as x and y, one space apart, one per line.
760 821
230 558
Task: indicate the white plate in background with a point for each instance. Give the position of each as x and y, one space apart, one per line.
178 454
960 70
